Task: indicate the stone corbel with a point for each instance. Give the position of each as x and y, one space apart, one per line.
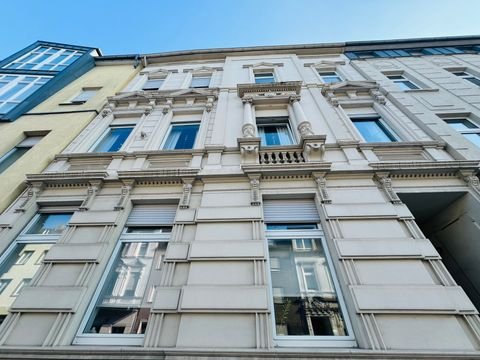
34 188
92 191
186 192
471 179
209 104
168 105
150 107
255 198
322 187
330 96
125 193
378 96
313 147
386 184
249 147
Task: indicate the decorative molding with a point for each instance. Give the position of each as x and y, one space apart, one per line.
126 190
205 69
313 145
34 188
471 180
321 182
263 64
158 174
255 198
325 64
305 129
248 130
92 190
167 106
209 103
385 183
258 91
249 147
186 192
378 96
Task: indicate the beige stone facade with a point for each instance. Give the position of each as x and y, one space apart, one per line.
284 202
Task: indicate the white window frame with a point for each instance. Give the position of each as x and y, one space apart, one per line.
403 79
264 71
12 83
105 134
84 95
195 143
475 130
200 76
322 77
39 52
82 338
305 340
263 121
151 80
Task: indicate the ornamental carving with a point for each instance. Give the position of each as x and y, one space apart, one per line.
92 190
255 198
32 192
186 193
386 184
321 182
124 194
305 129
248 130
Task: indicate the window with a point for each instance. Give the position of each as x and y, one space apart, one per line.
45 58
329 77
403 83
274 131
84 95
120 310
113 139
20 262
264 77
181 136
373 129
16 153
16 88
307 306
153 84
467 128
200 82
469 77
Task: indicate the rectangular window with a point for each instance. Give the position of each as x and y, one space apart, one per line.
84 95
153 84
20 262
329 77
373 129
307 305
403 83
113 139
16 153
467 128
264 77
200 82
45 58
16 88
467 76
274 131
181 136
120 310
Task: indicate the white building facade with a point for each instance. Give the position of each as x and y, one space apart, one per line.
295 202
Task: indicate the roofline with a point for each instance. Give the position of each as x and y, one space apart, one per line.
79 47
338 47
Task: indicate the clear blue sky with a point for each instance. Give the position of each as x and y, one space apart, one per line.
146 26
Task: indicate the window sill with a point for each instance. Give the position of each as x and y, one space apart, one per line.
421 90
109 339
72 103
315 341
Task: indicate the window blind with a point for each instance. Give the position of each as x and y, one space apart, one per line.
152 215
290 210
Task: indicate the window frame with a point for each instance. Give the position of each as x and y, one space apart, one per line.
468 76
474 130
152 80
170 128
11 152
264 71
105 134
306 340
386 129
322 77
41 51
401 83
82 338
275 121
19 96
200 76
87 90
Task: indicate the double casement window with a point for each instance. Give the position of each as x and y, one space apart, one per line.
264 77
23 258
467 128
45 58
16 88
153 84
329 77
274 131
403 83
120 310
181 136
467 76
308 309
16 153
373 129
113 139
200 81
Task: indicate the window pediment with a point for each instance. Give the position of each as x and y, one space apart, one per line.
263 64
269 90
329 64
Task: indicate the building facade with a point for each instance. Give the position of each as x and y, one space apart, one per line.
37 120
278 202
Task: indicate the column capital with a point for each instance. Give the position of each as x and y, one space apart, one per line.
294 98
247 100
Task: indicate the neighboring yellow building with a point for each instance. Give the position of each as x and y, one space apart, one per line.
34 138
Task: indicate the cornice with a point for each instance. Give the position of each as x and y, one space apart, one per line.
290 169
425 166
272 88
158 174
67 177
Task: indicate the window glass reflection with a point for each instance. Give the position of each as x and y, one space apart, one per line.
49 224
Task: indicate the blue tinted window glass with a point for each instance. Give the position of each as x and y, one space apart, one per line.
12 156
114 140
48 224
181 137
372 130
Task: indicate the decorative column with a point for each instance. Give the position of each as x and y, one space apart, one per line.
249 144
313 145
248 128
